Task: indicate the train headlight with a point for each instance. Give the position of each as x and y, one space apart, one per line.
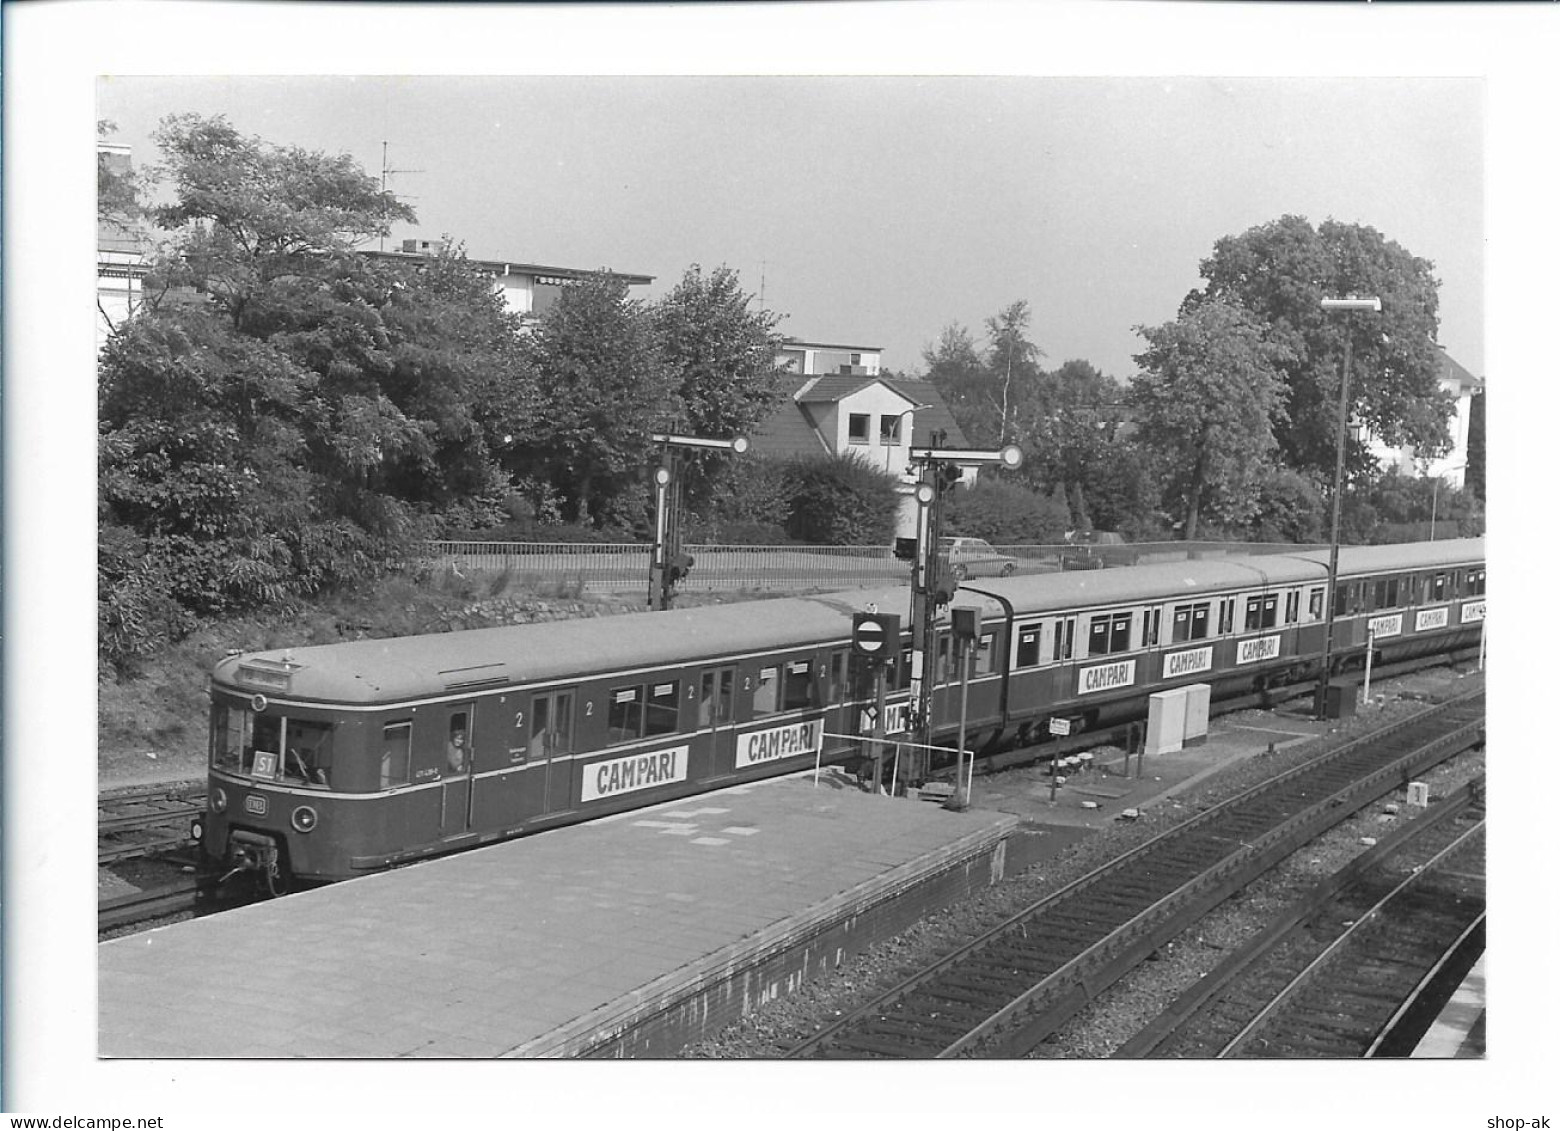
304 818
219 800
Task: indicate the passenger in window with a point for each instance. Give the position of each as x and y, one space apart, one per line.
455 753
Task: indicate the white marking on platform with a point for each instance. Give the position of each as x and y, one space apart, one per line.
740 830
709 840
1272 730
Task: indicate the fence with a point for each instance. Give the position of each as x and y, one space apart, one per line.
620 567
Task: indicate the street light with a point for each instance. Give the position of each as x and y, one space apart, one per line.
1346 306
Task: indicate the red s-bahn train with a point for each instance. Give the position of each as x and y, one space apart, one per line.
337 760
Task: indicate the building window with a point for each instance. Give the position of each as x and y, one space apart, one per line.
888 430
860 427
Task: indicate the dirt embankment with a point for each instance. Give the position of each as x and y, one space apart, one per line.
152 724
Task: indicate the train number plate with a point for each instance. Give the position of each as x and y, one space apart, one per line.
255 803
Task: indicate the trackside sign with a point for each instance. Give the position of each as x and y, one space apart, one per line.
634 772
758 746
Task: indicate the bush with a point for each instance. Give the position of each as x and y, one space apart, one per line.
1005 514
841 501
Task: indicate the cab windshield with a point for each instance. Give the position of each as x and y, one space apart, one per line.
271 747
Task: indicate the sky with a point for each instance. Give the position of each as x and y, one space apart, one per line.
878 210
790 142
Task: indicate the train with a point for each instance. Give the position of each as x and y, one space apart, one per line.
337 760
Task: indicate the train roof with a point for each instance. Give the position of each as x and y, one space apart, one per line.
397 668
400 668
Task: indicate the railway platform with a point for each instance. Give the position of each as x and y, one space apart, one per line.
626 936
1458 1032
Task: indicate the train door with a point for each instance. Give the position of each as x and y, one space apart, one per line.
455 770
552 745
716 721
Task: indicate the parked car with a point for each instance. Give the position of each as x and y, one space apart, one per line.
974 557
1098 549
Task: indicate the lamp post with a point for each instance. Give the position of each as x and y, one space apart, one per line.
668 564
1344 305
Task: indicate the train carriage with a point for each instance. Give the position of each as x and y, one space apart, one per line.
335 760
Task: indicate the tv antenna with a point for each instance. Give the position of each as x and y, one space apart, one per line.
385 173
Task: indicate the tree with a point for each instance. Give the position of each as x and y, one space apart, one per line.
258 216
720 356
1279 272
607 388
1209 397
955 369
291 414
1013 357
118 188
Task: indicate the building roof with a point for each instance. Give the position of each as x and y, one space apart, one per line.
836 387
799 344
934 418
1451 371
789 429
502 267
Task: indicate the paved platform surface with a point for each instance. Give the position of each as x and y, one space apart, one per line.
1458 1033
490 952
1094 798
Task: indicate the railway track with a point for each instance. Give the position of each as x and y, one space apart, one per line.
1397 911
146 821
1005 992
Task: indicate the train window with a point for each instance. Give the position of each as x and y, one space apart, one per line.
766 694
1110 633
1261 612
1151 627
715 696
1314 603
798 685
230 739
661 709
263 756
552 725
1226 615
1475 583
625 714
1189 622
944 666
1063 645
986 654
1438 587
308 759
1386 593
839 677
395 759
1292 606
1028 653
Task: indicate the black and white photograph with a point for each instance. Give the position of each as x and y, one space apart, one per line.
729 537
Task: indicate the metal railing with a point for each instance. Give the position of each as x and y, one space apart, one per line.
618 567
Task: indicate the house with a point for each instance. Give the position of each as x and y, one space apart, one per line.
875 418
528 288
1452 467
811 359
122 247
